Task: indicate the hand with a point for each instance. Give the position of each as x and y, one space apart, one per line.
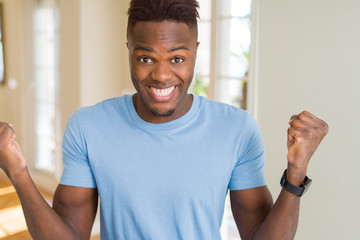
304 136
12 160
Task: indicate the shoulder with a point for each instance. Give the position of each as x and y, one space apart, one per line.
224 112
229 120
102 107
99 114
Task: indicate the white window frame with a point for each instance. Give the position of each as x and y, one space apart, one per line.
47 181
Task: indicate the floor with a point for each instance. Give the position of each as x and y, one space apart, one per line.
12 222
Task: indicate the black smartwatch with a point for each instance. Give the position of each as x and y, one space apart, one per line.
299 191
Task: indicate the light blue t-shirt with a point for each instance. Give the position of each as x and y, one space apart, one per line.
162 181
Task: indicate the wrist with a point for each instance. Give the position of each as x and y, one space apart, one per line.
295 175
298 189
16 177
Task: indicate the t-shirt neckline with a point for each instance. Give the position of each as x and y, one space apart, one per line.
181 121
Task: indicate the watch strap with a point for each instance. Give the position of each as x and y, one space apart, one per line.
297 190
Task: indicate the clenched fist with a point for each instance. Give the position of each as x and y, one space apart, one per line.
304 136
11 159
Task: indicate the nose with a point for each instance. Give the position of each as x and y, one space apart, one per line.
161 72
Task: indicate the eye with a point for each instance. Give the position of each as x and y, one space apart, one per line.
145 60
177 60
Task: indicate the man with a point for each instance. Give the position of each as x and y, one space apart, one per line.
162 160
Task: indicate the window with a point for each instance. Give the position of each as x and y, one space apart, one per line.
221 71
45 81
223 55
201 82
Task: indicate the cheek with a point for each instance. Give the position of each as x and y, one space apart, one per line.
139 73
186 72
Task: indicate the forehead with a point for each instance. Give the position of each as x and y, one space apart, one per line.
165 33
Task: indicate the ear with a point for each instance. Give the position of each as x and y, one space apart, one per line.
196 48
127 45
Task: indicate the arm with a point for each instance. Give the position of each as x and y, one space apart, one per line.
74 208
250 207
253 212
257 218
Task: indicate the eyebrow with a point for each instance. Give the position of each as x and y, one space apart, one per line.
146 49
179 48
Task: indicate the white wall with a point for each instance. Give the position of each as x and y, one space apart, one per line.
309 58
103 50
94 57
11 101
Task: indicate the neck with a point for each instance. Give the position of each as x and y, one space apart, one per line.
145 113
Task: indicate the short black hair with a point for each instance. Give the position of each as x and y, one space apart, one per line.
183 11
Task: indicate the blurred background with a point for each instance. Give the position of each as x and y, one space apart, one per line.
274 58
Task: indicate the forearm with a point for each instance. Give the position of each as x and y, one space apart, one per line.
282 220
42 221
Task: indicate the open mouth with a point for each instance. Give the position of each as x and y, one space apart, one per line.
162 94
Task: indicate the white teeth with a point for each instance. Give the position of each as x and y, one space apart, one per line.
162 92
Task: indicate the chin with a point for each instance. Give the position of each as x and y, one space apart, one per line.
162 113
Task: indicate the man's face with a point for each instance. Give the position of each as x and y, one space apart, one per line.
162 58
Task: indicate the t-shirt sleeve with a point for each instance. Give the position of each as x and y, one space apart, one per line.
249 169
77 170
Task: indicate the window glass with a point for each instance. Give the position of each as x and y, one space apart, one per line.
45 68
201 80
233 54
205 10
204 54
240 8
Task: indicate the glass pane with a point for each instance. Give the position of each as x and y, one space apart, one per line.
200 85
240 8
224 8
240 35
45 75
201 79
233 47
44 50
203 54
45 136
44 84
44 19
234 8
45 115
230 90
45 154
205 9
